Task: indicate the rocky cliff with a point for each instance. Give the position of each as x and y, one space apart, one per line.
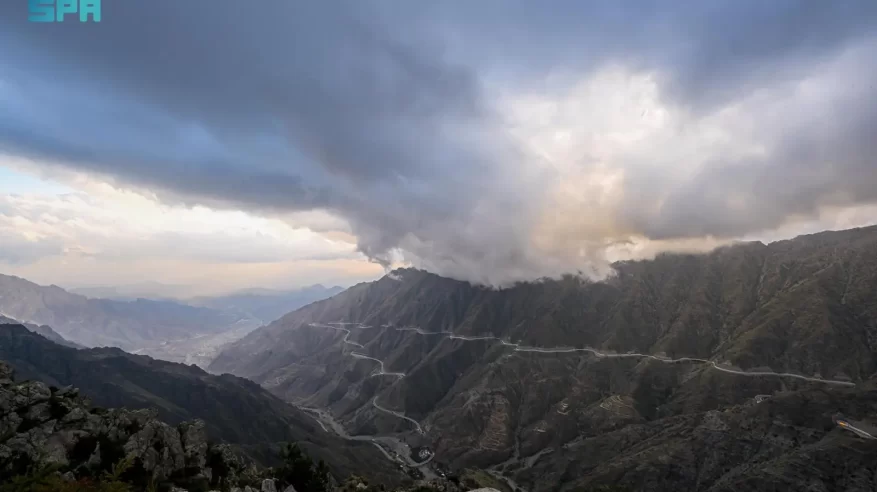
48 426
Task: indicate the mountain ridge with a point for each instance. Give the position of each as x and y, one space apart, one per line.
267 304
803 307
43 330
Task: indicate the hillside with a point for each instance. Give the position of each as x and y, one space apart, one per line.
497 376
235 410
130 325
44 330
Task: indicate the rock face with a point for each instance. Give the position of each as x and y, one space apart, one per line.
40 425
492 397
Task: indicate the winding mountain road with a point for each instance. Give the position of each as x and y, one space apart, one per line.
545 350
381 371
540 350
397 414
566 350
347 333
402 450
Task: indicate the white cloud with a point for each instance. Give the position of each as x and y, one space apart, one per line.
101 234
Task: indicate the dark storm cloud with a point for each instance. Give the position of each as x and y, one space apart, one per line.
380 111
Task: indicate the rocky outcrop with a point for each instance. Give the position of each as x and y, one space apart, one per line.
45 426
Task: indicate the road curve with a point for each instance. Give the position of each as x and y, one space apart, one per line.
397 414
339 431
381 371
347 332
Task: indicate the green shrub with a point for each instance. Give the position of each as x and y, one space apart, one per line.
299 470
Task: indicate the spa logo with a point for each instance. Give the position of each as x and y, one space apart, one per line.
56 10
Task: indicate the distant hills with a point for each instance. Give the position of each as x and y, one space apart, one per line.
267 304
634 381
129 292
192 333
103 322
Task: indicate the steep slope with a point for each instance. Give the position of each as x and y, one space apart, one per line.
495 375
787 442
265 304
44 330
102 322
235 410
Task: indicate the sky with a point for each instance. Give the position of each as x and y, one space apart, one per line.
220 146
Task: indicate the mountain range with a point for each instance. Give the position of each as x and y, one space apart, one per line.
129 325
267 304
191 332
753 367
686 372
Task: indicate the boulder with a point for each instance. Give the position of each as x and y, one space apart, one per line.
193 437
6 374
268 485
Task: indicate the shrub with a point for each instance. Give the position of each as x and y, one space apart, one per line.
299 470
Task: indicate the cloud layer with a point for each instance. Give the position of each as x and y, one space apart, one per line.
105 236
490 141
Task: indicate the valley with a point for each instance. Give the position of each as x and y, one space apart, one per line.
393 448
190 331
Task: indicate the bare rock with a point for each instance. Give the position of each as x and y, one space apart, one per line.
6 374
268 485
193 437
158 447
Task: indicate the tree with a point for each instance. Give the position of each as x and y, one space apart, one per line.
298 470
